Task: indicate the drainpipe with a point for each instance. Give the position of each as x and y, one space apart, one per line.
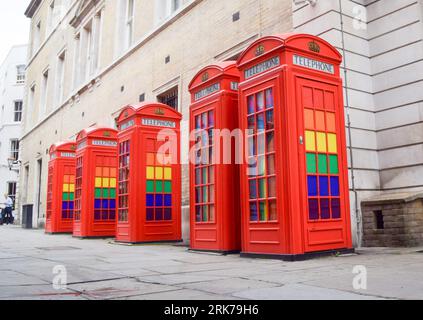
347 106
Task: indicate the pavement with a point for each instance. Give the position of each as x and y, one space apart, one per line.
34 265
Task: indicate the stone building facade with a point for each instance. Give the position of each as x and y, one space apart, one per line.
12 83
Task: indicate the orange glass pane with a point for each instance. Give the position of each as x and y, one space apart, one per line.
309 119
150 159
98 171
318 98
330 122
320 121
66 179
307 97
71 179
113 172
106 172
329 100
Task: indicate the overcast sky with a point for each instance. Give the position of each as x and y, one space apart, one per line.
14 26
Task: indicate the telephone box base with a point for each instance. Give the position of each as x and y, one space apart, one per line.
58 233
92 237
221 252
148 242
298 257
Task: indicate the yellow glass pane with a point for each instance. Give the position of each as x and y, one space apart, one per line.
168 173
113 183
106 182
332 145
159 173
310 140
321 142
150 172
66 187
98 182
71 187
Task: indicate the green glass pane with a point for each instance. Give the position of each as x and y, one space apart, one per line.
65 196
311 163
159 186
262 189
323 163
167 187
106 193
72 196
333 164
263 211
205 213
150 186
112 193
205 195
97 193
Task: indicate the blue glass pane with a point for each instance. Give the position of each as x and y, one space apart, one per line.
313 209
197 122
312 186
150 214
112 204
97 204
105 203
65 205
159 214
260 121
159 200
336 209
324 209
71 205
253 211
253 189
168 200
324 186
251 108
149 200
334 186
168 214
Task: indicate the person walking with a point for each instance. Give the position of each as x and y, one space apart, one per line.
7 211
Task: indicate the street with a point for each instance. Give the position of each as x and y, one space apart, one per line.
31 262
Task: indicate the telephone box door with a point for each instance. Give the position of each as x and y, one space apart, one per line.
261 114
325 199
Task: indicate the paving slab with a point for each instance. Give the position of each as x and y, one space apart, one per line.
183 294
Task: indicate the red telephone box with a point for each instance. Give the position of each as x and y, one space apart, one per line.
295 178
149 201
214 185
96 183
61 188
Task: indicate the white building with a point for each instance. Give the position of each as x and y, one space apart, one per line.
12 83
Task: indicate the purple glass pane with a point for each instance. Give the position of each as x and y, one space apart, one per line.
313 207
336 209
97 215
269 98
159 214
324 186
71 215
211 119
150 214
251 107
168 214
324 209
253 211
112 215
253 189
64 214
105 214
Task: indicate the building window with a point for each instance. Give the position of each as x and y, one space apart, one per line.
11 190
17 116
20 74
36 39
14 149
60 80
31 99
44 94
169 98
77 60
379 221
166 8
176 4
51 19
